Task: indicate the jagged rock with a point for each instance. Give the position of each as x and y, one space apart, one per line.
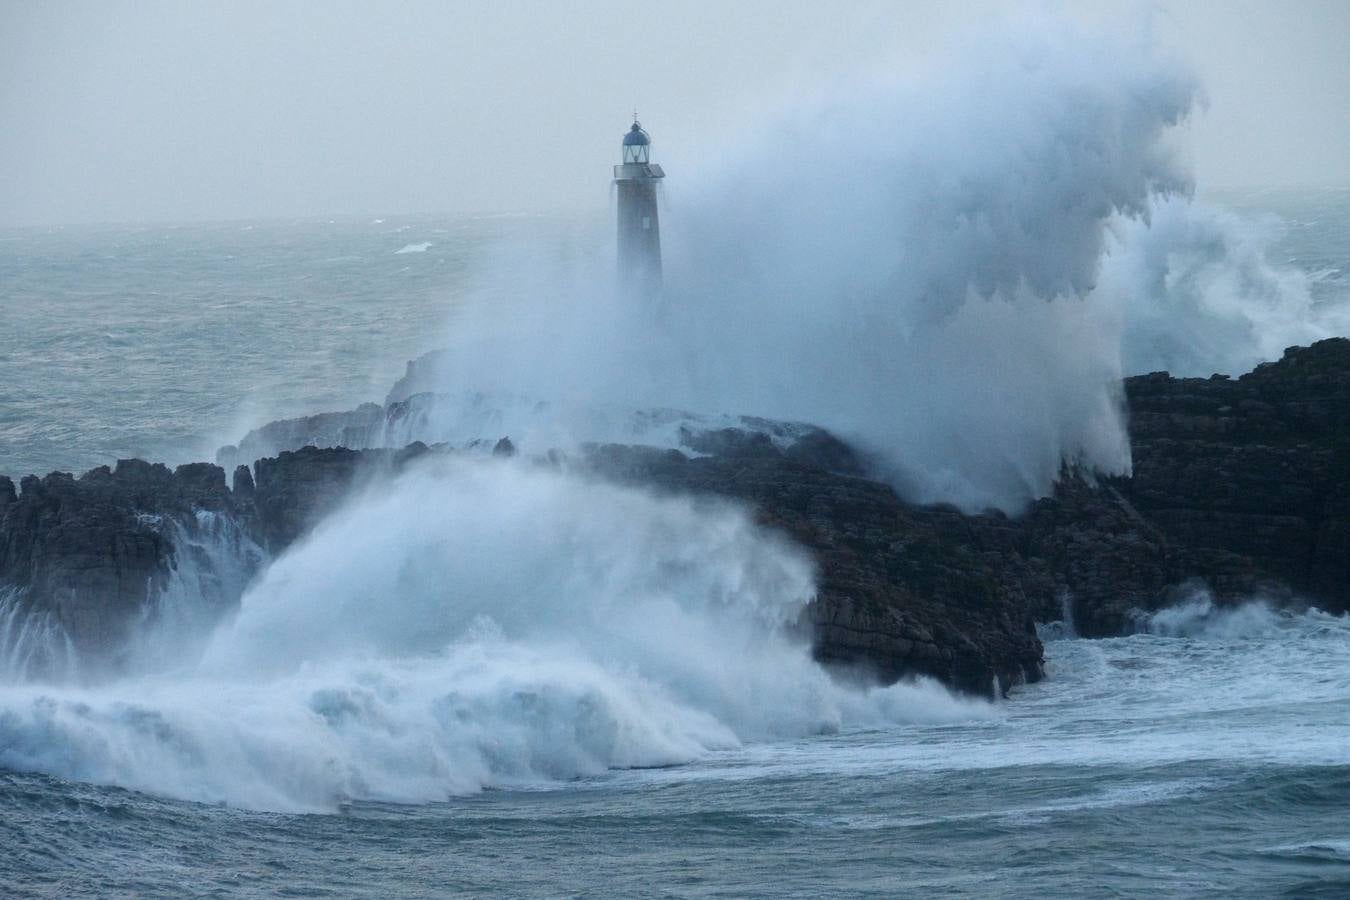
298 488
92 550
360 427
465 420
1242 482
898 595
243 481
1251 476
422 376
504 447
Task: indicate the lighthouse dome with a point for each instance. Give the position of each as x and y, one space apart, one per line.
636 136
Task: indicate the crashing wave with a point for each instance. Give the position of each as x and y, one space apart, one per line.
1200 617
33 643
472 624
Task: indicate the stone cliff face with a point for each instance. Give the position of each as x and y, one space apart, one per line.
101 554
1251 475
92 551
889 572
1242 482
902 589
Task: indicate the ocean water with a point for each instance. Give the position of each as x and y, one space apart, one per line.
1208 762
165 342
626 735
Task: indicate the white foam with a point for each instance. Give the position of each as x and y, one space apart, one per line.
474 624
33 644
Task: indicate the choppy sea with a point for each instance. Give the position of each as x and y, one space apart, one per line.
1211 763
1207 756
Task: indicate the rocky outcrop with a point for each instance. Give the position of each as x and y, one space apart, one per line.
898 595
357 428
295 490
1269 453
902 589
99 554
423 375
471 420
1250 477
92 550
1242 482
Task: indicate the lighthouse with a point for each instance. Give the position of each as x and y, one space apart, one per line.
639 227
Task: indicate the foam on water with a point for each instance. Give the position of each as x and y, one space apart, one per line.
1198 617
472 624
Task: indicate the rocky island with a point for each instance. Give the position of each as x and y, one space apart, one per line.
1239 484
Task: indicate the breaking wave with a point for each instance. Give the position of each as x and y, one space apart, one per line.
1199 617
473 624
33 644
951 267
1198 294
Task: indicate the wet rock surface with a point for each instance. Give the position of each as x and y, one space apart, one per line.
93 549
1251 476
1244 483
902 589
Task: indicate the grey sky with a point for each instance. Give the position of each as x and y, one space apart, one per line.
126 111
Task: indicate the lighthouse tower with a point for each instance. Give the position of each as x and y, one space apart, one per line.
639 228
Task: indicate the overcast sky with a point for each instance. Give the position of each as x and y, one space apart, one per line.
155 111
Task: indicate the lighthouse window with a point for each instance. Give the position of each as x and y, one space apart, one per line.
646 223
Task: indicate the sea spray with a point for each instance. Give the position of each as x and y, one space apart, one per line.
906 262
1197 616
952 268
214 559
1197 293
473 623
1063 629
33 643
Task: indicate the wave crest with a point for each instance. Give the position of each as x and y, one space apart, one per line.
473 624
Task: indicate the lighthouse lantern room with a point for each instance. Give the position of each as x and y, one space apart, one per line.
639 227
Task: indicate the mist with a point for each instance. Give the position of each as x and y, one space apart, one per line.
952 268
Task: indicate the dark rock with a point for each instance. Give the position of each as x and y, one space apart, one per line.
898 595
92 551
504 447
201 484
1250 477
1243 482
141 472
822 450
729 442
298 488
360 427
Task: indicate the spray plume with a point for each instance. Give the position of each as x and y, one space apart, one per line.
952 269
